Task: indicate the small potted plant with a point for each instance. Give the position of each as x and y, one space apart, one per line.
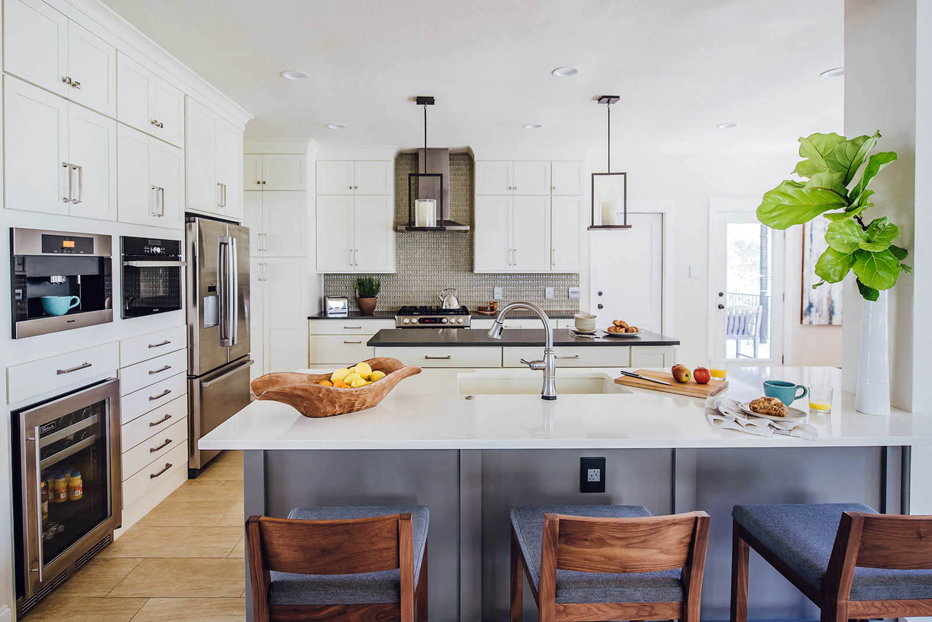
367 290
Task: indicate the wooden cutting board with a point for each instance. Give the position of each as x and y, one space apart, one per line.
691 388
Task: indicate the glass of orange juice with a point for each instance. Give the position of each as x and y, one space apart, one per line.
718 369
820 399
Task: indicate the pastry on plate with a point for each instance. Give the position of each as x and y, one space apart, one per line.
769 406
632 329
620 323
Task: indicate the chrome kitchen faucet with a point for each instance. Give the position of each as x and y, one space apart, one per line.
548 364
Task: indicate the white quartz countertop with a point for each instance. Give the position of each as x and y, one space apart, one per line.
427 412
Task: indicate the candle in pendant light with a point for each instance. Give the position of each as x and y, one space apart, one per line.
610 210
425 212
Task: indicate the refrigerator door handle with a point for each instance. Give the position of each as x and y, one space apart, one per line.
234 291
224 271
205 385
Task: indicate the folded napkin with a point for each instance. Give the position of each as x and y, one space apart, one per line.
725 413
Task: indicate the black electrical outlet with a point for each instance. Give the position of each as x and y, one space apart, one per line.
592 475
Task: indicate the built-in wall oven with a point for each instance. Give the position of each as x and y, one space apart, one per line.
152 272
67 494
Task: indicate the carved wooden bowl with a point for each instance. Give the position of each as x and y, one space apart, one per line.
301 391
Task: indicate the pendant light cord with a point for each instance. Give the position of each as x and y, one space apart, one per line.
608 109
425 139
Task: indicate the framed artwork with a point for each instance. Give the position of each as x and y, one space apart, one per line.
820 306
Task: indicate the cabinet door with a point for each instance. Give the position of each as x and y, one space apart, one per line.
255 220
335 241
531 233
492 239
168 111
168 176
568 178
92 141
284 172
200 137
134 89
285 317
92 67
230 168
335 177
256 309
532 178
375 234
566 231
252 171
285 215
137 197
35 44
494 177
35 127
374 177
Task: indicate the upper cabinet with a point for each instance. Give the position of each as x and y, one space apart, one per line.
149 103
213 163
512 234
277 220
274 172
42 46
151 180
518 178
567 179
372 177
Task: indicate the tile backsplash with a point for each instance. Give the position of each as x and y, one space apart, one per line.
427 262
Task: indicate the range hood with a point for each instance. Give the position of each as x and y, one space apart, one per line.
438 161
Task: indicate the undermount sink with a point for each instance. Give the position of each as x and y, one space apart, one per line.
521 382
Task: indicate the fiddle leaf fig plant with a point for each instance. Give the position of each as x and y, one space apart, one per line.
829 168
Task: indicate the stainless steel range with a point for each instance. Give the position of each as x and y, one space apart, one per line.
432 317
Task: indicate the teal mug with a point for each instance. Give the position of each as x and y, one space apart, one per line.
59 305
786 392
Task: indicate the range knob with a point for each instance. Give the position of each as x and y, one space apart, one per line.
459 320
445 320
406 321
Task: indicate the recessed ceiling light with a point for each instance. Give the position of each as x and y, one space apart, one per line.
564 72
294 74
532 126
335 126
837 72
726 126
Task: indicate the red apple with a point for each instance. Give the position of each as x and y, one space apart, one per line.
702 375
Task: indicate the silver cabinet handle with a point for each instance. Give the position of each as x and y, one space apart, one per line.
161 194
80 170
66 80
40 553
62 372
159 345
152 398
167 442
67 197
152 372
263 241
75 197
235 370
350 343
152 424
553 257
514 256
157 124
76 84
438 358
351 257
153 190
219 194
168 465
575 356
352 327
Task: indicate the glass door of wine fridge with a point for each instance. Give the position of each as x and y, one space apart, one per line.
69 497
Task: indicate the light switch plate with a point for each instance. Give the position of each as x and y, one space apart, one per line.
497 293
548 293
591 474
573 293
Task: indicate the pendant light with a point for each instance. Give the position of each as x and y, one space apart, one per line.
424 213
609 190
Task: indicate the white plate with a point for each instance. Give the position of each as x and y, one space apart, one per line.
582 332
621 335
793 414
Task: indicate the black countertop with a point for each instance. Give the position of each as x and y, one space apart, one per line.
390 315
427 337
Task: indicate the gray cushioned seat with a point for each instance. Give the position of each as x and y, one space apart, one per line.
350 589
802 535
593 587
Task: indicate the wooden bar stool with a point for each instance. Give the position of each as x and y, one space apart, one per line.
608 562
846 558
340 563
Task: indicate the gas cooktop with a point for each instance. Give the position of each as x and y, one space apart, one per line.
427 317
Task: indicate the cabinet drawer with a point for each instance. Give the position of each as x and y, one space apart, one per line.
56 372
154 473
154 422
349 327
143 374
445 357
652 356
339 350
144 347
152 397
573 356
485 324
154 448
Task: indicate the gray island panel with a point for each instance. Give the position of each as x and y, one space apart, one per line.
511 337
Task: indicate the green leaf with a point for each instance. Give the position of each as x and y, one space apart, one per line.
906 269
814 149
879 235
876 270
792 203
818 285
898 252
830 180
807 168
869 293
836 215
845 236
833 265
875 164
848 156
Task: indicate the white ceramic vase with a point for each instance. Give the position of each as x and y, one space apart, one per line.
873 397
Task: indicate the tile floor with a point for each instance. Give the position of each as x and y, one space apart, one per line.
183 561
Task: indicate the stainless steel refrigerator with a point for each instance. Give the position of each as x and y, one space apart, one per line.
218 328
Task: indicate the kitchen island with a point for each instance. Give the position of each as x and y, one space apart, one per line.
471 456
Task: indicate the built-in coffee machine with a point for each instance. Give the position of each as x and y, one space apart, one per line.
60 281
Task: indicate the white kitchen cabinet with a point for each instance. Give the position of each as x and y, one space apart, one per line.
530 232
652 356
568 179
532 178
492 236
566 224
148 103
375 235
278 171
92 148
254 219
512 234
230 169
151 178
277 221
92 70
335 177
355 177
252 173
213 163
527 178
571 356
494 177
336 240
279 320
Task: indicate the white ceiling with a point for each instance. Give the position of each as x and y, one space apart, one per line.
681 67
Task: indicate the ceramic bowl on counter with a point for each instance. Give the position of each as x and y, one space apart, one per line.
585 322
